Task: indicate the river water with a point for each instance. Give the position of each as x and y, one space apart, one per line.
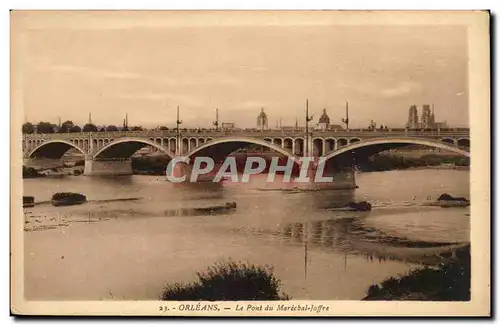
128 250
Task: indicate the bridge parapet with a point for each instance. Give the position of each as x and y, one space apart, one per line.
365 133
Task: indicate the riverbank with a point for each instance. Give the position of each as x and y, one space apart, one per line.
150 165
30 173
446 282
387 162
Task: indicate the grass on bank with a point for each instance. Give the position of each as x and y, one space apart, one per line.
228 281
447 282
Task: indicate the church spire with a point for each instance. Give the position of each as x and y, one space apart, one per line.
262 120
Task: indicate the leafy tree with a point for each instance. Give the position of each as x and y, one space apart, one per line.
28 128
75 129
44 128
125 129
112 128
163 128
66 126
102 129
89 127
136 128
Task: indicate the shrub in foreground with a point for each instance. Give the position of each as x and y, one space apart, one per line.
228 281
448 282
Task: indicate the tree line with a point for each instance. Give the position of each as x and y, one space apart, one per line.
68 126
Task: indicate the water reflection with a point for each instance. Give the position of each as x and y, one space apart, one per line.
351 236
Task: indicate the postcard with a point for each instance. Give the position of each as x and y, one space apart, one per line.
250 163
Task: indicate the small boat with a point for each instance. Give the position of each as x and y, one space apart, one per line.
28 201
68 198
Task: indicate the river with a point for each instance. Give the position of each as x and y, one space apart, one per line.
128 250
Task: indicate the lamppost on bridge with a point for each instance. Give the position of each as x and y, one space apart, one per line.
346 119
308 118
178 122
216 122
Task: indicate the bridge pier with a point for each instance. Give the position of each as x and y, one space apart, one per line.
343 178
108 167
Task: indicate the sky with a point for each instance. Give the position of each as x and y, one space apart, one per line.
145 64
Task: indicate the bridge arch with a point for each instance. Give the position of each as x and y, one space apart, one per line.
172 145
318 144
299 146
288 144
125 147
365 148
463 142
278 141
193 143
330 145
220 148
448 140
341 142
53 149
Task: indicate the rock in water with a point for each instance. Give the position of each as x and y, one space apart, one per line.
67 198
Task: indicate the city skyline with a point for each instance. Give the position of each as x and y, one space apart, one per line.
271 124
116 67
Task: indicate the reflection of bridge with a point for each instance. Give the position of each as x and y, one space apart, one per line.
352 237
109 152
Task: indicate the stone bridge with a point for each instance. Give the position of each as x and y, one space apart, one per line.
113 149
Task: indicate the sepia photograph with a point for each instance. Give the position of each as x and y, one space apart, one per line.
250 163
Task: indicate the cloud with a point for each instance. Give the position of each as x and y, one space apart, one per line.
402 89
203 79
91 72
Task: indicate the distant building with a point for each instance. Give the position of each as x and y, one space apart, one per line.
324 121
262 120
427 119
335 127
144 151
413 117
227 125
441 125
